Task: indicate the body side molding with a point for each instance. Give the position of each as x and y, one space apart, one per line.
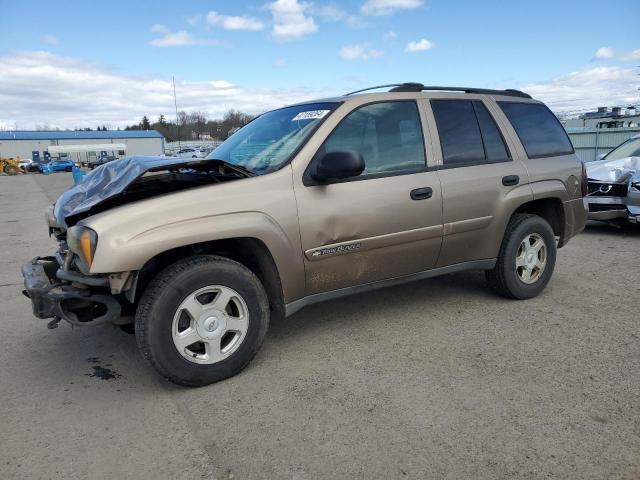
292 307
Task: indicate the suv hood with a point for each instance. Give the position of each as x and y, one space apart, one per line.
615 171
121 181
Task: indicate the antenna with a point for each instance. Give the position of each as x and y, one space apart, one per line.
175 103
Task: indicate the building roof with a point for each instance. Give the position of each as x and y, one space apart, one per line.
80 135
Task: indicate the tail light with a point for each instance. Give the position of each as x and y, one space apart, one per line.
584 184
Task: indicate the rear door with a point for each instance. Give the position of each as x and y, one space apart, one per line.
384 223
481 179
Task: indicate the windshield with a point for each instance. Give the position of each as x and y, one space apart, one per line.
265 144
630 148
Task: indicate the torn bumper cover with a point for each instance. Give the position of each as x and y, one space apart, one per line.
52 297
614 189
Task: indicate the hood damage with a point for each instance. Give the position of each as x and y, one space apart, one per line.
136 178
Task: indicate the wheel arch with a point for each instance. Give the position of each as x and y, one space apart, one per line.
551 209
248 251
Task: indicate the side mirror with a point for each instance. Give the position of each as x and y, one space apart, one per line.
338 165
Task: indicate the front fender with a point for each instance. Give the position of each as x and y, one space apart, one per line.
117 253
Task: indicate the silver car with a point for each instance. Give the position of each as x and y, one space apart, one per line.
191 152
614 184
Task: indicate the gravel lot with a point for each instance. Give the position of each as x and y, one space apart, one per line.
436 379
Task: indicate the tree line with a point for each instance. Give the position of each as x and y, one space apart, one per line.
195 125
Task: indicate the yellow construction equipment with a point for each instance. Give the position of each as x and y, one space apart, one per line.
10 166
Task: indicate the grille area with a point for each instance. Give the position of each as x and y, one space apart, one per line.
615 190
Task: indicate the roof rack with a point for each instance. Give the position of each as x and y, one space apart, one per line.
418 87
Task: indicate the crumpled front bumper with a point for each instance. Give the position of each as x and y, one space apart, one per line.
52 297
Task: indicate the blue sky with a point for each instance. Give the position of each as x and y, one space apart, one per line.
285 49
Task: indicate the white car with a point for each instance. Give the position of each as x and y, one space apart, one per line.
27 165
191 152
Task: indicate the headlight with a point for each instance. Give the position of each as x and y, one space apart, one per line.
82 241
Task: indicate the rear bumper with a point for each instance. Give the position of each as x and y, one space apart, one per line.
52 297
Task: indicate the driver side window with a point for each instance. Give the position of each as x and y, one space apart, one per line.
388 135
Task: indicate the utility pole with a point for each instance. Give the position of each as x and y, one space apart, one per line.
175 103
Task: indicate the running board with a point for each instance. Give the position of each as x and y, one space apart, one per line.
293 307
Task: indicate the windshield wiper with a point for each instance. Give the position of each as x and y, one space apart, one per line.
232 166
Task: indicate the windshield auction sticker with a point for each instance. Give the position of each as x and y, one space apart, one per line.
310 115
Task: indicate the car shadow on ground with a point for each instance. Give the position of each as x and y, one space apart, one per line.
351 311
613 229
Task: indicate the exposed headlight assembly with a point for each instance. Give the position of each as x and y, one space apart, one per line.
82 241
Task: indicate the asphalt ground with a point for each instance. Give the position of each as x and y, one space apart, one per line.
435 379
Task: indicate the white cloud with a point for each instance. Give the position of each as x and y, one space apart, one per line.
419 46
194 19
39 87
51 39
334 13
180 38
289 19
610 53
605 52
359 52
234 22
587 88
279 62
390 35
158 28
631 56
388 7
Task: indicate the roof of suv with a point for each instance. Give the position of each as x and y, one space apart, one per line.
417 88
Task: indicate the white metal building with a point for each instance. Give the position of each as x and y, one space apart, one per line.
21 143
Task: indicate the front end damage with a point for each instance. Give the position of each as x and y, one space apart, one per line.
614 190
70 296
61 286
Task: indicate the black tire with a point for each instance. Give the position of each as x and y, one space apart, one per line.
68 169
162 298
503 279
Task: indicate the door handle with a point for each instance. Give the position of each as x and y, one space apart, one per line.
421 193
510 180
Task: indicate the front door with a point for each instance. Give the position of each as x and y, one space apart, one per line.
384 223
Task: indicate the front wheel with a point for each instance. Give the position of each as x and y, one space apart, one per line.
202 320
526 260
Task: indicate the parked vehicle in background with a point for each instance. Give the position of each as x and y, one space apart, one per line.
191 152
614 184
101 159
28 165
308 203
56 165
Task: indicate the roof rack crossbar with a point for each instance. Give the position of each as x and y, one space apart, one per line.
418 87
375 88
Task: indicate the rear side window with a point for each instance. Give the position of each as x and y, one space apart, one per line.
494 147
468 134
539 130
388 135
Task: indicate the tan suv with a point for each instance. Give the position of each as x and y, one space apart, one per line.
309 203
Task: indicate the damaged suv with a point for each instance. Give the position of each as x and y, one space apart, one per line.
309 203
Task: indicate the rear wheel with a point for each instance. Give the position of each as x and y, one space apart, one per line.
526 260
202 320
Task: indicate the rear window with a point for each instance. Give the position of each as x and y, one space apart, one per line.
539 130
